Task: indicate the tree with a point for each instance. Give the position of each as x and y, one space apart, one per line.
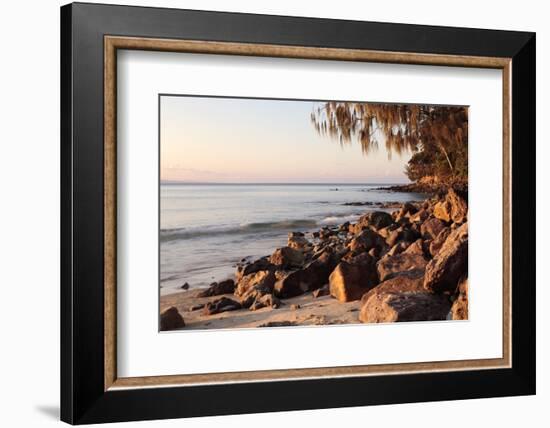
436 135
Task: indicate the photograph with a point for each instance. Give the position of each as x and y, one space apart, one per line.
282 212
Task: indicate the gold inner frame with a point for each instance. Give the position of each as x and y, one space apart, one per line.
113 43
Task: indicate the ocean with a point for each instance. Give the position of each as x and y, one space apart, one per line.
207 228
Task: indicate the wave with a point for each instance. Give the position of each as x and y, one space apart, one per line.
182 233
174 234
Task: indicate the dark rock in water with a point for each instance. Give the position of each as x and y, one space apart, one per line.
399 264
278 324
256 266
185 286
459 310
218 288
171 319
320 292
196 307
350 280
223 304
287 257
450 264
407 306
358 204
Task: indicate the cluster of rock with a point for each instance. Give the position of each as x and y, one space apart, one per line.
408 265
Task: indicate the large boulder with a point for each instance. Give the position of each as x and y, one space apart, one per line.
438 241
366 240
453 208
401 264
254 286
404 306
412 283
314 275
431 228
459 310
218 288
264 279
350 280
378 219
451 263
286 257
402 234
297 241
255 266
171 319
223 304
417 247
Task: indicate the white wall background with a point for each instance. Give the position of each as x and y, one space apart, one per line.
29 213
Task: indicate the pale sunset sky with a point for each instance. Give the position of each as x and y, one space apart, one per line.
230 140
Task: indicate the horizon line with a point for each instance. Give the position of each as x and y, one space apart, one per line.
282 182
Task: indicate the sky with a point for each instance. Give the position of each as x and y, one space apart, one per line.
232 140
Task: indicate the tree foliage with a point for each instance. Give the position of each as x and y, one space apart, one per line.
437 136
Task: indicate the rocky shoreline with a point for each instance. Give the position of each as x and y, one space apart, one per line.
410 264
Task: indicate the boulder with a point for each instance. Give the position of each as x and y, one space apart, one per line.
263 279
287 257
297 241
218 288
401 264
265 301
344 227
171 319
417 247
320 292
185 286
402 234
398 248
420 216
459 310
431 228
404 306
378 219
366 240
438 241
223 304
399 284
350 280
314 275
450 264
407 209
254 286
453 208
256 266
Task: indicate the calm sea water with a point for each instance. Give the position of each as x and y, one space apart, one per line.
207 228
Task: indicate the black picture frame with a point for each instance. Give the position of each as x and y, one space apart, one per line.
83 398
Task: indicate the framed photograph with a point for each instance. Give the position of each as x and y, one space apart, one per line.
273 213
